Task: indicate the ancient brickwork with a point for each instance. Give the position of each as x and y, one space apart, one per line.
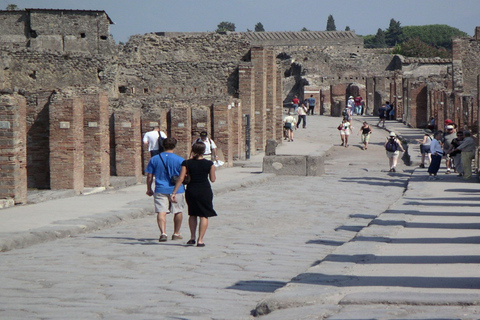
246 95
260 77
128 144
66 142
96 139
13 148
224 129
180 120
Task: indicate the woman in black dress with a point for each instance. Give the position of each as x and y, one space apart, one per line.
199 193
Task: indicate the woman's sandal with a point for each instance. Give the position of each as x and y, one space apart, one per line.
201 245
192 242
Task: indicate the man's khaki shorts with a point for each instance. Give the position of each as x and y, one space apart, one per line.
163 203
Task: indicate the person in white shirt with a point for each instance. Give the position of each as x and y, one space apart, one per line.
153 141
210 146
436 149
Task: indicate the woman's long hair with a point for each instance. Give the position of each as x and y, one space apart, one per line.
198 149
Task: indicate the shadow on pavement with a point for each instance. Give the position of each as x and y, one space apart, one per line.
258 285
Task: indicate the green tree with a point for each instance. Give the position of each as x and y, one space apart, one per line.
12 7
394 33
379 39
259 27
304 29
438 35
347 28
417 48
225 26
331 24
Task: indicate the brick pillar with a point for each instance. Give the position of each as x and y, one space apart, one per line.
258 60
279 104
271 94
181 128
223 124
370 97
201 120
247 95
66 143
238 148
337 96
97 140
151 119
128 144
398 96
13 149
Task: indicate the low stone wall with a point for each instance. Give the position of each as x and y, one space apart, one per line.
295 165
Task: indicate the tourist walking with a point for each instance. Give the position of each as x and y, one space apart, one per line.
163 167
358 105
447 140
302 115
210 146
289 125
467 147
382 115
351 105
295 103
425 147
199 193
153 141
366 131
436 150
393 148
311 105
345 129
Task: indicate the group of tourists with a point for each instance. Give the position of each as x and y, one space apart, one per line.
180 183
457 147
301 109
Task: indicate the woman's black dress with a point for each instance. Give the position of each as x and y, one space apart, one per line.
199 195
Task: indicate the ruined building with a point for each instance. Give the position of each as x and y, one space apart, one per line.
74 105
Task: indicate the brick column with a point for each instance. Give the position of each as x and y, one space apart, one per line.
181 127
279 104
370 97
128 144
223 124
66 143
238 148
258 61
13 150
271 94
247 96
97 140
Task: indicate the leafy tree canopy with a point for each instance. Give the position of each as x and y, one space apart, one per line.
331 24
347 28
394 33
439 35
225 26
417 48
304 29
259 27
12 7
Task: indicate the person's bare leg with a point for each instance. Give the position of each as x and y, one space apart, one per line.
192 223
162 222
202 229
177 222
346 141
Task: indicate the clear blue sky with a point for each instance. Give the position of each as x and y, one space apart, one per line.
364 17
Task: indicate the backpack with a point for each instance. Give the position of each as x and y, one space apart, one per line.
391 145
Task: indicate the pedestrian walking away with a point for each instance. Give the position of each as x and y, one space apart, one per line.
295 103
425 147
302 115
382 115
351 106
436 149
163 167
289 124
366 131
345 128
311 105
393 148
211 147
199 194
153 141
358 105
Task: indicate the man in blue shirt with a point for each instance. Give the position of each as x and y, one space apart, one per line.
163 166
311 105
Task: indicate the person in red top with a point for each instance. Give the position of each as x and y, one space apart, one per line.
358 105
295 102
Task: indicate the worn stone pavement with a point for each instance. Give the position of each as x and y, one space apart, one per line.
356 243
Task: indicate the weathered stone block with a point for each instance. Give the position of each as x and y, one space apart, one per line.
285 165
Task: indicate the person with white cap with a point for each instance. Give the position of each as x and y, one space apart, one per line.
351 105
447 142
393 148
